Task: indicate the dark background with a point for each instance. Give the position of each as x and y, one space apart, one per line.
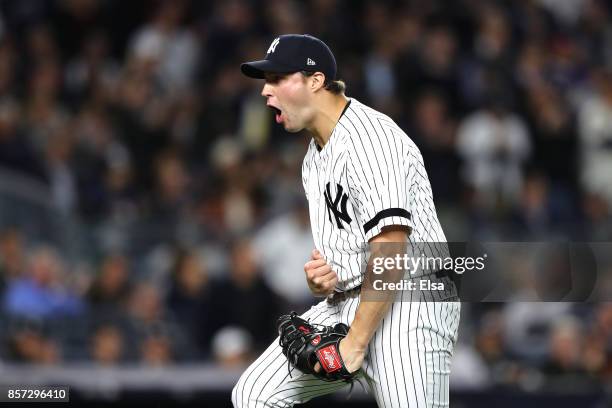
152 214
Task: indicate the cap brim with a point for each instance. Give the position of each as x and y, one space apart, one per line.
258 69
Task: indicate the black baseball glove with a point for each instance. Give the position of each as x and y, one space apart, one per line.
304 344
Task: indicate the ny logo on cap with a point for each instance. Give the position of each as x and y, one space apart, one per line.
273 45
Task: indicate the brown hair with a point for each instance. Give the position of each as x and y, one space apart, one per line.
337 87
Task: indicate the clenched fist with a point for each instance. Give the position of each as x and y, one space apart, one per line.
319 275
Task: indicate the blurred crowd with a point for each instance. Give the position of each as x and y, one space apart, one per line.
191 228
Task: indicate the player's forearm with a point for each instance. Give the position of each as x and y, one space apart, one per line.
368 316
372 309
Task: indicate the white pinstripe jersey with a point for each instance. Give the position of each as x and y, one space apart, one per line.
369 174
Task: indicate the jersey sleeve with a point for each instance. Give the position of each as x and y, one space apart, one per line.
378 172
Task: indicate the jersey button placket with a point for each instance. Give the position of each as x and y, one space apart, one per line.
321 169
314 188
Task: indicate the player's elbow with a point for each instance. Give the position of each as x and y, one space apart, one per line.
392 233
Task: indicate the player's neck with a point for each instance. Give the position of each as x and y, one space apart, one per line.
329 110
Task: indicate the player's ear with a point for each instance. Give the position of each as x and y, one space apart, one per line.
317 81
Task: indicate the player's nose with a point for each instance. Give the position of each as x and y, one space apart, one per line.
266 91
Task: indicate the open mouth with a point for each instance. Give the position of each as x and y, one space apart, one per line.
278 113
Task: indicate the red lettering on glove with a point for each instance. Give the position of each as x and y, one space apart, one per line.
329 358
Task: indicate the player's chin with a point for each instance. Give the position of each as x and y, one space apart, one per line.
292 129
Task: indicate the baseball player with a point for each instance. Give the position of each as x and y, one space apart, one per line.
365 183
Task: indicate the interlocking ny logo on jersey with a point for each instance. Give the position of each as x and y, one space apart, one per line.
273 45
340 214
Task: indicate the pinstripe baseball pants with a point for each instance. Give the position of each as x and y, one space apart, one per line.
407 363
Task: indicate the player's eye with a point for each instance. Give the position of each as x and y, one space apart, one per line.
274 78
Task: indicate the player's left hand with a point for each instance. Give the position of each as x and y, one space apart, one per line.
317 349
351 355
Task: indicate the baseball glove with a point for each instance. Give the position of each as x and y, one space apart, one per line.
304 344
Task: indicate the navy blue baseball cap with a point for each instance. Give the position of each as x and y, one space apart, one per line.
292 53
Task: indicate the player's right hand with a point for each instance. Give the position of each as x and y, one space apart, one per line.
319 275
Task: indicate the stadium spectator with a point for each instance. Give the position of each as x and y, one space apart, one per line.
109 292
107 346
252 301
595 130
189 298
28 344
12 253
169 48
494 144
232 346
565 364
284 245
16 150
41 291
434 131
156 350
149 322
